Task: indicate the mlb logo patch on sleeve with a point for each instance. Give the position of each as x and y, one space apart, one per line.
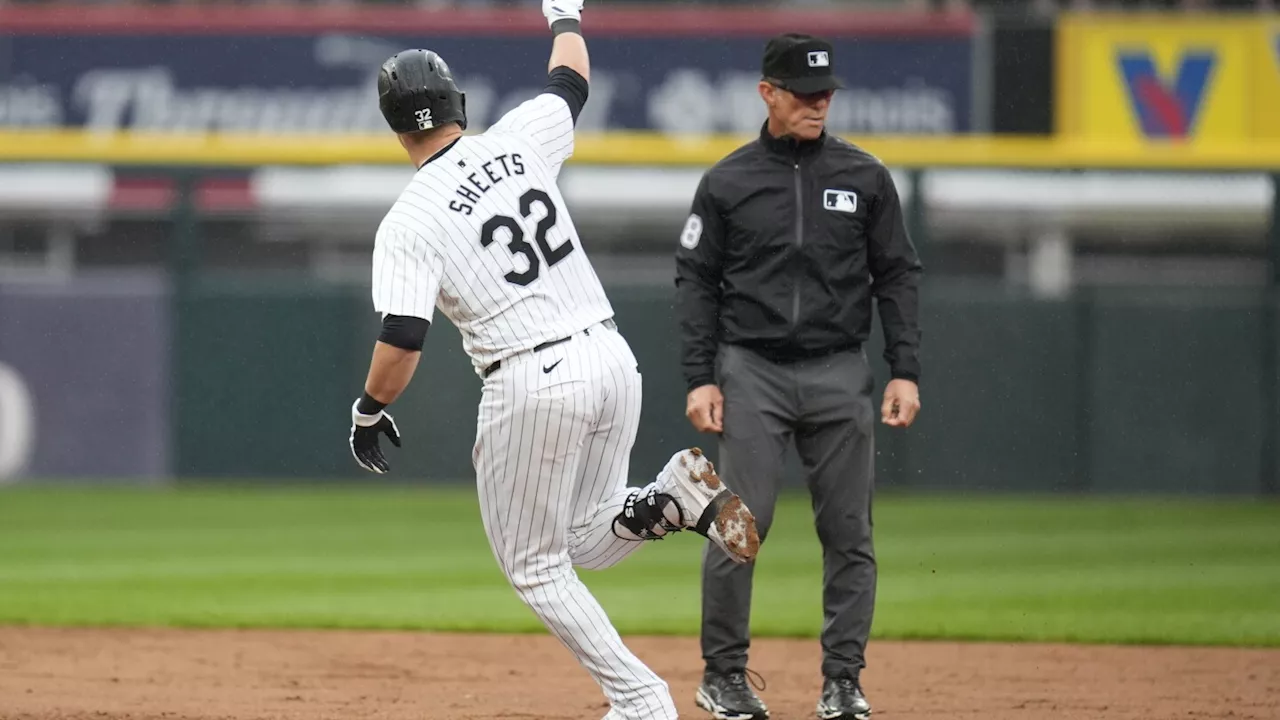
845 201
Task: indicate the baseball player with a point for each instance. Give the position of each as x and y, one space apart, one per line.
482 234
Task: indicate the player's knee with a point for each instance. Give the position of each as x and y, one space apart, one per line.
530 592
537 586
590 563
593 558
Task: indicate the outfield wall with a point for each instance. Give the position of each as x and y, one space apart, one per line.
1118 391
85 379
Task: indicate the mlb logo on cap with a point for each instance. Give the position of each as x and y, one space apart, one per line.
799 63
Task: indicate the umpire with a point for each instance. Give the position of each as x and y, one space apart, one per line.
789 239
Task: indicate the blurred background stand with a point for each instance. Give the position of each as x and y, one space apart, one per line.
188 197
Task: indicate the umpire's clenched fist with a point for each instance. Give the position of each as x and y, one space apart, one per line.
705 409
364 438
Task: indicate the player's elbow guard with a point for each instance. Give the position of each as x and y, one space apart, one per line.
404 331
569 85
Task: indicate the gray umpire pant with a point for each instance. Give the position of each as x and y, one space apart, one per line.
825 405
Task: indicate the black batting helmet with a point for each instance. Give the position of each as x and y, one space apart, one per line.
416 92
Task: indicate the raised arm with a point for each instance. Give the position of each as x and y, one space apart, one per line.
548 119
568 49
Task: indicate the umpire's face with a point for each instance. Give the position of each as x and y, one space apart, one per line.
801 116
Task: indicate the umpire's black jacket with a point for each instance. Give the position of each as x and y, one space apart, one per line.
786 244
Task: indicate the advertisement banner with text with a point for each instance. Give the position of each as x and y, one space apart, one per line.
260 79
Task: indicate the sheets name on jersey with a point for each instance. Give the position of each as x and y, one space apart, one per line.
495 171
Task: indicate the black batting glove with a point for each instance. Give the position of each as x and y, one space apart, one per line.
364 438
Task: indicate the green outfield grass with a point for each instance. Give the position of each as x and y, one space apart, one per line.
1097 570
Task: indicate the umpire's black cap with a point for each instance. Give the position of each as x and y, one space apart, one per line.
800 63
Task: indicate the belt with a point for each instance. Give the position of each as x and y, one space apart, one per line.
550 343
791 356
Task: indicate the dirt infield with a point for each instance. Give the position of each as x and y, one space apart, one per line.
64 674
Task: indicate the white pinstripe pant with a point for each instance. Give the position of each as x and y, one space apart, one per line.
551 456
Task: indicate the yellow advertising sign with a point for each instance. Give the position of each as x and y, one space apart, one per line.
1267 74
1151 79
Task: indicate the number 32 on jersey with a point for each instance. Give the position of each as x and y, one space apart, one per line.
516 243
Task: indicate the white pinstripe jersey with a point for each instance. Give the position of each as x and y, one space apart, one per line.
482 234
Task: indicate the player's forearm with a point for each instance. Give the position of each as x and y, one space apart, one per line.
390 371
569 49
